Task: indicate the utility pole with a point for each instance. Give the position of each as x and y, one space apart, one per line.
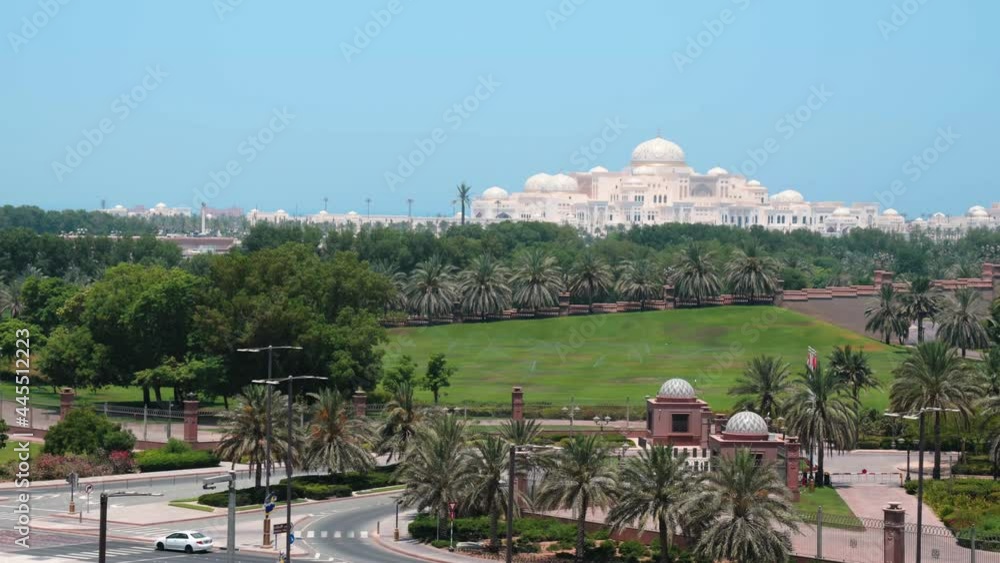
325 201
208 485
102 541
510 505
409 210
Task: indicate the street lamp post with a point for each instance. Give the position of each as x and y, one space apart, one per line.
602 422
209 484
102 538
267 439
571 411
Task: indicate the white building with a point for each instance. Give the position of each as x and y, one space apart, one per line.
659 187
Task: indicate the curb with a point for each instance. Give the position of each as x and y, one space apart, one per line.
118 478
389 547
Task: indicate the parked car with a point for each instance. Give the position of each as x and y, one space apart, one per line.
188 541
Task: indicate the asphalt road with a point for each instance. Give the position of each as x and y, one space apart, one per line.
52 547
342 533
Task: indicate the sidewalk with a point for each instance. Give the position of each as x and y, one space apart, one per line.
128 477
409 547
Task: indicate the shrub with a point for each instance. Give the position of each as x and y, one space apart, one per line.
632 551
48 466
441 544
121 462
601 553
244 497
526 547
175 446
340 482
159 460
83 431
973 465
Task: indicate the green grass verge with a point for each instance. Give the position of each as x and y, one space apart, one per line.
191 506
8 454
608 358
379 490
836 513
45 396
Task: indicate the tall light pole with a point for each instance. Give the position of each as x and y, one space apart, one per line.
325 201
288 453
102 538
409 210
209 484
267 439
571 411
602 422
368 202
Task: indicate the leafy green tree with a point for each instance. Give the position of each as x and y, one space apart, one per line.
989 370
336 440
746 504
489 462
403 372
751 274
695 277
484 287
244 430
591 277
640 281
765 379
431 290
83 431
962 322
537 280
71 358
11 298
920 303
3 433
464 193
886 315
821 412
396 300
933 376
438 375
653 486
436 466
43 297
578 477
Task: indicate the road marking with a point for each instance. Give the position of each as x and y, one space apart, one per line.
336 534
323 534
310 534
364 534
350 534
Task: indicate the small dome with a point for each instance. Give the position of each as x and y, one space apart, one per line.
598 169
746 423
323 212
890 212
352 213
658 151
841 212
676 389
160 205
563 183
979 213
495 192
938 215
718 171
538 183
919 220
119 206
788 196
280 211
753 183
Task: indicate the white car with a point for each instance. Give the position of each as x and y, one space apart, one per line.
187 541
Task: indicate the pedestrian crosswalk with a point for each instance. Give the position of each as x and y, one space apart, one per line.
336 534
111 553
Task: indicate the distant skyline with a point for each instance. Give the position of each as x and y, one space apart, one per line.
278 105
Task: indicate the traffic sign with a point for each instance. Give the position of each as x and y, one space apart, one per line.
291 538
280 528
268 507
89 489
451 509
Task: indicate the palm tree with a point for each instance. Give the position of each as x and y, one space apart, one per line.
695 277
989 370
401 421
484 287
430 290
853 368
653 486
821 412
578 477
11 300
886 315
396 301
962 323
336 440
488 467
639 280
920 303
750 274
537 280
591 276
934 376
520 432
435 467
464 197
245 430
765 378
749 513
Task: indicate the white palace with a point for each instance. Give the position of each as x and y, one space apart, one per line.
659 187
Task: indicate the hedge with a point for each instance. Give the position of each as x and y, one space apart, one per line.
973 465
158 460
342 484
477 528
244 497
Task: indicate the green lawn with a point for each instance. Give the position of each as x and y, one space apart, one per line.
44 396
8 454
606 358
829 499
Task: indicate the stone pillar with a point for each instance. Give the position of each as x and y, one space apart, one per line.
360 400
893 533
191 421
517 403
792 466
563 303
668 296
779 292
66 396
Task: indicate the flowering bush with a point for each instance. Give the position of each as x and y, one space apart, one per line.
49 466
122 462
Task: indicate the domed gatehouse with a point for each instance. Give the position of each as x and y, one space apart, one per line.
749 430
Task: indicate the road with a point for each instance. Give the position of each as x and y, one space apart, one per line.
56 547
343 532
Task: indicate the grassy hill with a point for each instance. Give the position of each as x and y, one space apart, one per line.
606 358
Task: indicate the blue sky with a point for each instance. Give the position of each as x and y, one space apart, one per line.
302 100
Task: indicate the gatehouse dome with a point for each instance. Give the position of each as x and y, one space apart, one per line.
718 171
538 183
658 151
676 389
562 183
746 423
890 212
753 183
598 169
496 192
788 196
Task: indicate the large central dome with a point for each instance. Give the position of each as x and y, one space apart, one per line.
657 151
